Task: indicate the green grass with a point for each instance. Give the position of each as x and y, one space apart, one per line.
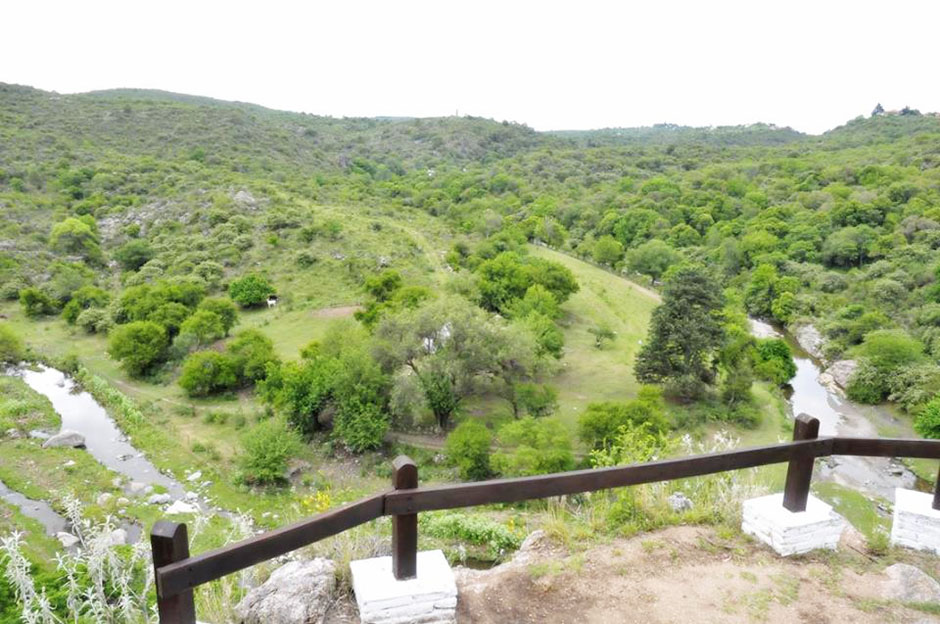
861 512
590 374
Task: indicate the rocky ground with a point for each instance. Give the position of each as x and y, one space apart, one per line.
692 575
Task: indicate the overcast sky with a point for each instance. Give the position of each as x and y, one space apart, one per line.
578 64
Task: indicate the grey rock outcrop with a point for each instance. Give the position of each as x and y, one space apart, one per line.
909 584
679 502
841 372
810 340
298 592
159 499
66 438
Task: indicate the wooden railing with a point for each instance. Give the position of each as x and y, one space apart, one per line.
177 573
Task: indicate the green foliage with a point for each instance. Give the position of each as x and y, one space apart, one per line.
266 450
11 346
252 352
868 384
607 250
927 423
471 528
536 400
685 331
507 277
653 258
205 326
76 237
83 299
139 346
537 300
134 254
600 424
250 291
226 311
37 303
774 361
531 446
208 372
468 448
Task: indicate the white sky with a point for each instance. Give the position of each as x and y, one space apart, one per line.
579 64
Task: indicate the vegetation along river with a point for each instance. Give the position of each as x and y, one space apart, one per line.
875 476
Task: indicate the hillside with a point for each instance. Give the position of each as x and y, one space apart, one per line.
269 306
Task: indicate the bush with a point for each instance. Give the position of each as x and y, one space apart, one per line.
139 346
95 321
927 423
471 528
537 400
133 254
468 448
533 447
868 384
11 346
773 361
249 291
267 447
360 424
37 303
206 326
208 372
225 309
600 423
251 352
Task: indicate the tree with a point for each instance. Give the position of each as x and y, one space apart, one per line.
537 300
468 448
205 326
759 294
454 349
35 302
736 360
208 372
507 277
927 423
600 423
774 361
537 400
139 346
251 352
685 332
82 299
134 254
652 258
607 250
225 309
76 237
250 291
533 446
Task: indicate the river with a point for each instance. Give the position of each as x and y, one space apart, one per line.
875 476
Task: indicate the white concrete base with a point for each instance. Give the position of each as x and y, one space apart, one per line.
430 598
916 524
788 532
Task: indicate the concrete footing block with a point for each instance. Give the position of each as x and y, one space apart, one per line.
788 532
916 524
429 598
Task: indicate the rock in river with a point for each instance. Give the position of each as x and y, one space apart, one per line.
810 340
65 437
842 371
298 592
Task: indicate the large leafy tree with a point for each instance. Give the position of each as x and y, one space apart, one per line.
139 346
685 333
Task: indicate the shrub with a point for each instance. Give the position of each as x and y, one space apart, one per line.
773 361
206 326
360 424
267 447
95 321
251 352
868 384
139 346
225 309
37 303
11 346
468 448
537 399
533 447
207 372
927 423
133 254
600 423
471 528
249 291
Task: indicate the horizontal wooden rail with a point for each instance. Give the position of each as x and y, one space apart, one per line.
180 576
576 481
188 573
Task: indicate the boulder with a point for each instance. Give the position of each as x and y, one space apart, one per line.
159 499
67 539
39 435
118 537
679 502
71 439
810 340
194 476
179 507
104 498
909 584
136 488
14 433
299 592
841 372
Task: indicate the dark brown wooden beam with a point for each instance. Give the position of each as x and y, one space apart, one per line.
886 447
178 577
405 526
577 481
169 543
800 470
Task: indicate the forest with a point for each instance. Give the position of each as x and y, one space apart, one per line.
281 302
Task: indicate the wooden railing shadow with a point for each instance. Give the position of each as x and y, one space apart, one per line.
177 573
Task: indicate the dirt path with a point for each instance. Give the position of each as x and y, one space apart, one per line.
681 575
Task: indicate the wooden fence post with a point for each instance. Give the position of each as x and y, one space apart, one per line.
936 493
169 543
800 470
404 526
